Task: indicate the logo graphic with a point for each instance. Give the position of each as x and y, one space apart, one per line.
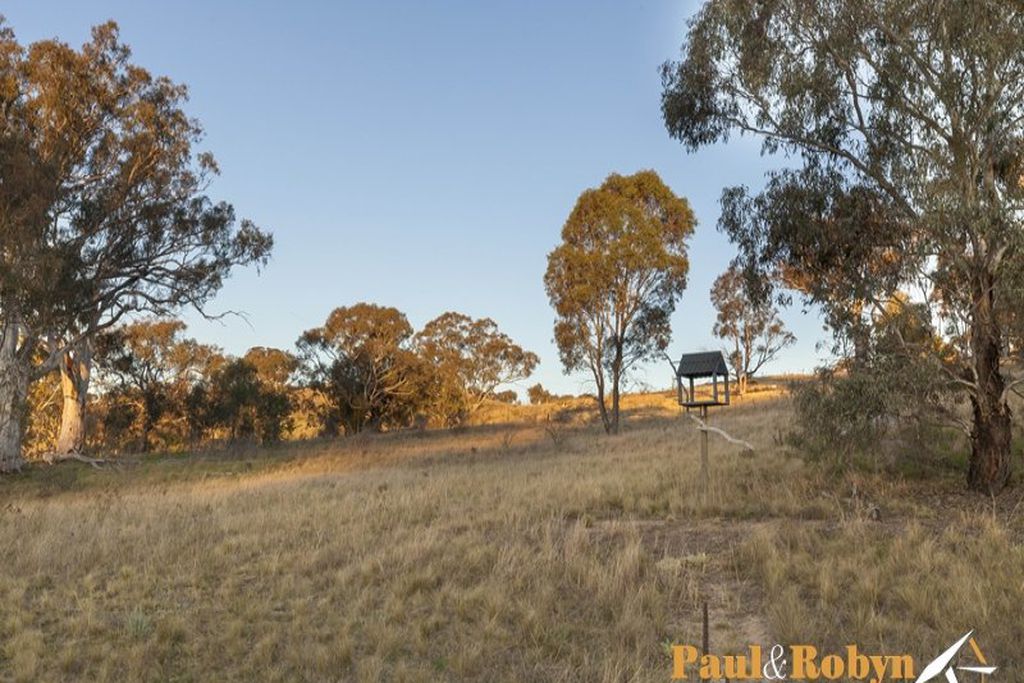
943 664
957 664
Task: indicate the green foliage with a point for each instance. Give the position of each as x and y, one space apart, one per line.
886 399
906 132
161 390
362 361
113 421
840 415
374 372
105 149
152 366
615 278
878 410
103 211
246 404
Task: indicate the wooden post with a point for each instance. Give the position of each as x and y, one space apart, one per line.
705 641
704 474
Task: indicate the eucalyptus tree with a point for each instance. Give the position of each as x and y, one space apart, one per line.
151 364
471 359
615 278
904 120
752 326
361 360
274 367
103 214
241 400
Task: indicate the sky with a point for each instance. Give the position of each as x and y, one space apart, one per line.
425 155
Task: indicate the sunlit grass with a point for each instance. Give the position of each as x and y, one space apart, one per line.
510 551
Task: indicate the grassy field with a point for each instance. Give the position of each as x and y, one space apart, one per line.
538 550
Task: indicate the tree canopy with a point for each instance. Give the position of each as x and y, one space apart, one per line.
753 327
904 119
472 359
102 206
362 361
152 366
615 278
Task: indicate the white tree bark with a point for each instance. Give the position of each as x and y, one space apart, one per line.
14 381
75 370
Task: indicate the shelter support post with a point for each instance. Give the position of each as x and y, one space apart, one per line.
704 467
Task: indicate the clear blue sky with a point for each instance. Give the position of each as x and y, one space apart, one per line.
425 155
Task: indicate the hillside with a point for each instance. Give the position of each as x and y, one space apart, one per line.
535 550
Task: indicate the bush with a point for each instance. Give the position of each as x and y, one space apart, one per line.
877 408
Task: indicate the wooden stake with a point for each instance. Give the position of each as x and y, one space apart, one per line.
707 637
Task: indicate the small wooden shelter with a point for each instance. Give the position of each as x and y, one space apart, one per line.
702 365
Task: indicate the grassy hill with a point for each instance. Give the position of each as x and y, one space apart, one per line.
531 549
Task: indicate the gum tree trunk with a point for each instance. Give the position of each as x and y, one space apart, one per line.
603 409
612 426
989 467
12 410
75 370
14 379
598 372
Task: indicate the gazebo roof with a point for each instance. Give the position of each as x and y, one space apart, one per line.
703 364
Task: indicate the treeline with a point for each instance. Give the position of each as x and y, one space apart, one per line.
364 369
107 234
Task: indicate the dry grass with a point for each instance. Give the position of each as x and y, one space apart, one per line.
896 589
497 553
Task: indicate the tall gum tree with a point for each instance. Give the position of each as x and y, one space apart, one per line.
753 326
615 278
102 211
905 119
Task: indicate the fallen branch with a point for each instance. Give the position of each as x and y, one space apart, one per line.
731 439
54 458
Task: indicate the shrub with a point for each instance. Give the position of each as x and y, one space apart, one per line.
875 408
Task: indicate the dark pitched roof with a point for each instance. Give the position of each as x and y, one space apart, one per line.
702 364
